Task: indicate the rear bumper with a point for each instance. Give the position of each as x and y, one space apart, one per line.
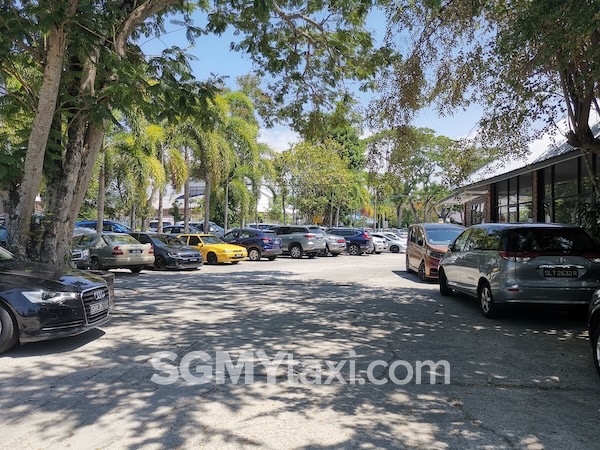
554 296
128 261
271 252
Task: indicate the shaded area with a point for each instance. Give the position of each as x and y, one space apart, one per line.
96 390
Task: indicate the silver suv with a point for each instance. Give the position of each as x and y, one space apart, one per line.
538 263
300 240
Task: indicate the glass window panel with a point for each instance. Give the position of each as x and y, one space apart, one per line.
512 191
525 188
566 180
502 193
512 214
525 212
565 210
548 182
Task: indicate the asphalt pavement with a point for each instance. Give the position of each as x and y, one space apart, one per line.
159 375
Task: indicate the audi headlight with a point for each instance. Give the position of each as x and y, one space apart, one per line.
49 296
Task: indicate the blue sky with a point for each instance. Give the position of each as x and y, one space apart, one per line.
213 56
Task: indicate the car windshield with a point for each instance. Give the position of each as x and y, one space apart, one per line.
5 255
551 240
168 240
119 239
442 236
211 240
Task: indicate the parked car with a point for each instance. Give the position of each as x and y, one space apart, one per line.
334 245
426 245
111 251
299 240
213 228
153 225
42 301
170 252
394 244
262 226
594 328
107 225
358 241
537 263
259 243
3 236
379 244
213 249
83 230
178 229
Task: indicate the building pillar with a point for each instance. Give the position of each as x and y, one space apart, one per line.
535 200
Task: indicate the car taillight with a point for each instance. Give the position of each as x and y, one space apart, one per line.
365 235
341 241
594 257
518 256
151 252
117 251
310 236
266 240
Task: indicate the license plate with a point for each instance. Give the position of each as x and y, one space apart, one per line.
135 251
98 307
193 259
238 256
561 273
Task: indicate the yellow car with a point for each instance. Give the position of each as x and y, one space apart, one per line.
213 249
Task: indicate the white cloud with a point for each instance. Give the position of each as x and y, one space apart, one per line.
279 138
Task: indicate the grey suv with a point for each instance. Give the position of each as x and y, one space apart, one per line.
538 263
300 240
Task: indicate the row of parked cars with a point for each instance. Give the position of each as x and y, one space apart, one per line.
123 248
503 264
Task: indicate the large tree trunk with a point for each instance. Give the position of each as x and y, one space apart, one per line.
186 194
159 226
23 201
226 218
101 194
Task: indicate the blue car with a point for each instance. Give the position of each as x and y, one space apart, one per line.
259 243
357 241
107 225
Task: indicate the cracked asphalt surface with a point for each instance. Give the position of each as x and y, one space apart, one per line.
523 381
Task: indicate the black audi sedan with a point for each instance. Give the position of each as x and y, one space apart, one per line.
41 301
170 252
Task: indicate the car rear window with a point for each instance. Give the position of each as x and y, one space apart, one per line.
119 239
270 234
549 240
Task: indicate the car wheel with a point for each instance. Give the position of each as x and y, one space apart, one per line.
445 290
8 332
312 255
234 262
95 263
486 301
160 263
136 269
296 251
254 254
324 252
211 258
408 269
596 346
272 258
354 250
395 249
422 273
335 254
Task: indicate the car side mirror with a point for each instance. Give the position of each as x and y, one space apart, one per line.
451 247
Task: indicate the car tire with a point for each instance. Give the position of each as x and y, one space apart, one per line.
354 250
378 253
8 331
324 252
254 254
395 249
312 255
595 337
234 262
211 258
445 290
422 273
335 254
486 301
408 269
95 263
296 251
136 269
272 258
160 263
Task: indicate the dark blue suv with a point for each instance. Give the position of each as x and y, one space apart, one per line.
107 225
260 243
357 241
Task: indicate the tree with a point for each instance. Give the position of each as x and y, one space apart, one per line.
85 65
527 62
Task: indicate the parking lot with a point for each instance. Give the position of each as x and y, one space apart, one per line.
523 381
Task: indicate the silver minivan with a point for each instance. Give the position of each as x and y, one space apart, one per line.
530 263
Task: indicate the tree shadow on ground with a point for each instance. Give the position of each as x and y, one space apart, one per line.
101 387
